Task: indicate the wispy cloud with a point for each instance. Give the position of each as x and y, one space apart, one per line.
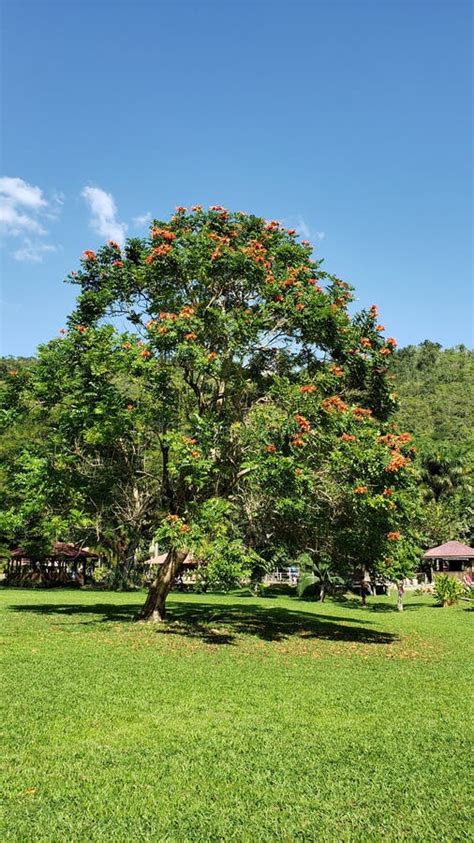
23 210
142 220
104 214
33 251
304 230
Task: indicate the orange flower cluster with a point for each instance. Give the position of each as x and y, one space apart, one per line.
62 331
145 354
172 518
337 370
273 225
217 208
127 345
314 283
271 449
224 241
334 403
164 233
165 315
129 407
186 311
299 306
387 493
151 324
189 440
81 328
361 412
307 387
195 453
391 342
196 208
394 441
185 528
163 330
191 336
394 536
384 351
212 356
380 327
180 209
114 245
373 311
279 298
158 252
365 342
13 373
397 462
257 252
347 437
298 472
90 255
361 490
303 423
118 263
297 442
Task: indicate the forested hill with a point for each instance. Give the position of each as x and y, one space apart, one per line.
435 388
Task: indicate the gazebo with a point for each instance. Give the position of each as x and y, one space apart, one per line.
451 558
66 564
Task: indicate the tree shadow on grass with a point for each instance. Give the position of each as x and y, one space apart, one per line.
108 612
221 624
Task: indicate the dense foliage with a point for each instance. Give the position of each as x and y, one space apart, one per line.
436 404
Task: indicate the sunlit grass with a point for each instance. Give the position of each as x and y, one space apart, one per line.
242 719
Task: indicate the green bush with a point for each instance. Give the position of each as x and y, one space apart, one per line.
447 590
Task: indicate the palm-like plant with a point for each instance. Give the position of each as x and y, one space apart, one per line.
320 573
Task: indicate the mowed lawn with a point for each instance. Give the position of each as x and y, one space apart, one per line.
242 719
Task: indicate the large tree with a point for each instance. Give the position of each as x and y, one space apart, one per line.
249 344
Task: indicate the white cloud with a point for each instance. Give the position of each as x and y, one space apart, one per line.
142 220
23 209
20 204
104 214
19 192
15 222
33 251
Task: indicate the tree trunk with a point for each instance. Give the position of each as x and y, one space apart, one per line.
155 604
400 596
322 593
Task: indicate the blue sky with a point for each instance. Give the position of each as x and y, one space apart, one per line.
348 120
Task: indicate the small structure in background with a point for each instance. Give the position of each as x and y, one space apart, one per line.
186 578
450 558
67 564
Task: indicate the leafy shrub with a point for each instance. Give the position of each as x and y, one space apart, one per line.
468 590
447 590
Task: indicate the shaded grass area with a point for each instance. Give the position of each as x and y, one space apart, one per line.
242 718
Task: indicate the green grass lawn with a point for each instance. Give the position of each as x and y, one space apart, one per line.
242 719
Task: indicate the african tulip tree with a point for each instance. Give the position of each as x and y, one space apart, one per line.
228 310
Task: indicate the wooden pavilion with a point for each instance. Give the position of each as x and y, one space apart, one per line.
66 564
450 558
